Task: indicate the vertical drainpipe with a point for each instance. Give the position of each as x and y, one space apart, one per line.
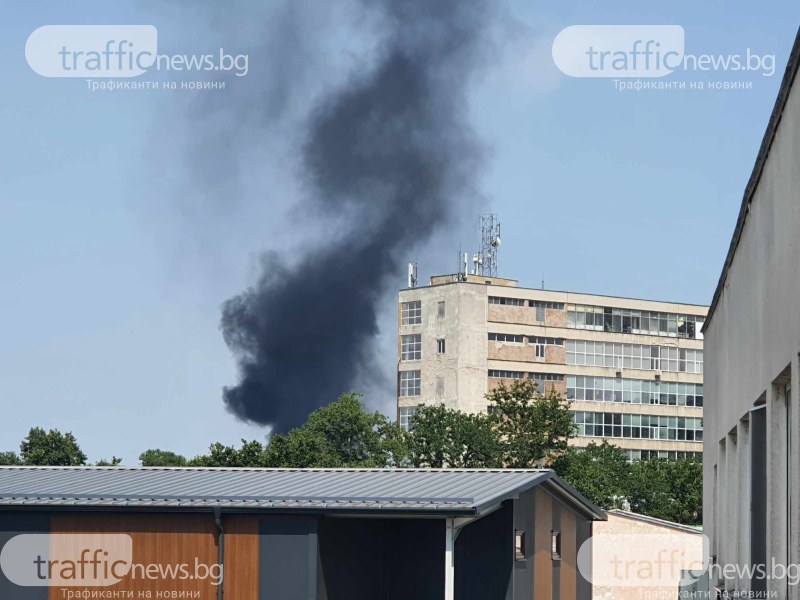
449 561
220 551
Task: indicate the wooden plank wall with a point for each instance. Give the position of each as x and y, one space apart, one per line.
177 539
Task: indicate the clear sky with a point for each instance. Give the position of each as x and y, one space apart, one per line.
116 251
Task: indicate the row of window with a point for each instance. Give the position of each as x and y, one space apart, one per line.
523 302
512 338
635 427
634 455
634 391
634 356
622 320
498 374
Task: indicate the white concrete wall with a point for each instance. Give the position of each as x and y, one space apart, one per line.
753 337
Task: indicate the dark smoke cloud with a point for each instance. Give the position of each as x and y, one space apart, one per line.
389 158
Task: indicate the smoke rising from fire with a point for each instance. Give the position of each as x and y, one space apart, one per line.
388 159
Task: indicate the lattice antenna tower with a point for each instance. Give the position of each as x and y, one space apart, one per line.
486 259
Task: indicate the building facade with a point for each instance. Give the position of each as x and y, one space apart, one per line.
751 461
289 534
633 369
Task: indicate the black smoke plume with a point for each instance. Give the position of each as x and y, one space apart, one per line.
389 158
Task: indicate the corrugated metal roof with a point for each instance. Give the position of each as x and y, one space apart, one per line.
448 491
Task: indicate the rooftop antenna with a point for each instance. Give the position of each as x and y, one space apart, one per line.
412 275
486 263
542 280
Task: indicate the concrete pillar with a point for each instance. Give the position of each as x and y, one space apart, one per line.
793 470
743 503
731 516
776 486
720 531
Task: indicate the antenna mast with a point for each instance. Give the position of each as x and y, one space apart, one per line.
486 259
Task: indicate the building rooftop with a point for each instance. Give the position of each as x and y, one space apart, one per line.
397 491
512 285
656 521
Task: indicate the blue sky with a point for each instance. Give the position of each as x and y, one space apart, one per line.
114 262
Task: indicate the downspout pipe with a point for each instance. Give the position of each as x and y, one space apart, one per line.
220 551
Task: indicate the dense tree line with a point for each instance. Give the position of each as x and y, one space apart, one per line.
523 429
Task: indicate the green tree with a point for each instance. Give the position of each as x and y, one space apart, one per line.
51 448
161 458
532 426
108 463
9 459
667 489
251 454
341 434
443 438
599 472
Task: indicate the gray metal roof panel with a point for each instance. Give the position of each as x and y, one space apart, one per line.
393 490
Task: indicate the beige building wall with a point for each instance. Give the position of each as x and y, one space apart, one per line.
460 378
645 543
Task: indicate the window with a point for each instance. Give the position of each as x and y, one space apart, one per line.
634 356
634 455
506 301
496 374
411 347
623 320
634 391
508 338
411 313
440 346
542 342
628 426
519 545
440 309
406 416
555 537
545 341
539 313
544 304
542 378
410 383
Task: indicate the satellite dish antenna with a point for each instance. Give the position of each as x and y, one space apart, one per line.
496 241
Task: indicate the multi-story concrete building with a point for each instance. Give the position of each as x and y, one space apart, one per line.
751 462
632 368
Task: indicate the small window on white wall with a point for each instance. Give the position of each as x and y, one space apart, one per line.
440 309
440 346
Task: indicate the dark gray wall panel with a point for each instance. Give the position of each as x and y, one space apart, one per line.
15 523
584 531
484 555
391 559
288 558
524 520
